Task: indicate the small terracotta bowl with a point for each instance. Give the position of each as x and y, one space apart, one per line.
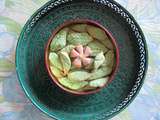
77 21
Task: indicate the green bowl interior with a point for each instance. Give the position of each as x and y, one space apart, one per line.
52 100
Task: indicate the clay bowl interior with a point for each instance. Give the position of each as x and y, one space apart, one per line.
79 21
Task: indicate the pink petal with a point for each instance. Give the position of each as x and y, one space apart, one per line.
74 53
87 51
77 63
79 48
86 61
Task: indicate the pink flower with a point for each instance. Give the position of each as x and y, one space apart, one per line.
81 56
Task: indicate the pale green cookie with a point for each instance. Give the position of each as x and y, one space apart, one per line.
79 38
97 47
72 84
101 72
79 27
98 82
79 75
55 60
59 41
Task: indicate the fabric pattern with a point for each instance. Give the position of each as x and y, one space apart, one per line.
14 105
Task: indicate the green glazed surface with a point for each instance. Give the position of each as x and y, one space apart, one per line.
48 97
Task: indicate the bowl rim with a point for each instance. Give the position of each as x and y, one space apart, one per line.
81 21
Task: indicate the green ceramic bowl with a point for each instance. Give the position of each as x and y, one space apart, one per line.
110 100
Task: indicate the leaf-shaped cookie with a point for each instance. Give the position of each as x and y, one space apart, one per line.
78 75
96 32
55 60
99 59
98 82
68 48
74 85
59 41
101 72
79 27
65 61
97 47
107 42
87 88
56 72
79 38
109 58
